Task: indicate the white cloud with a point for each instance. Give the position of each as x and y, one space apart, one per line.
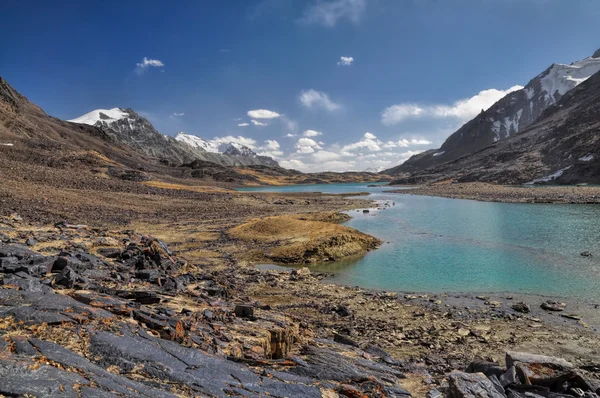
403 143
271 145
243 125
263 114
271 148
370 136
463 110
369 142
396 113
328 13
369 152
146 63
257 123
345 61
177 114
318 99
290 135
292 164
311 133
307 145
326 156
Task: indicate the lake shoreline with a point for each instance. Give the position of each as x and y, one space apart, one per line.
507 194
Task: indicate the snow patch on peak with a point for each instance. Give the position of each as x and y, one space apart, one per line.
197 142
101 115
374 169
561 78
215 146
439 153
587 158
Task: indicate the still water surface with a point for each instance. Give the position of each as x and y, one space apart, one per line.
452 245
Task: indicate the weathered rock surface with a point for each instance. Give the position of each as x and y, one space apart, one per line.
130 322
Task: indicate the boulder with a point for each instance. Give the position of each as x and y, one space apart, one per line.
304 271
509 377
551 305
586 254
513 356
539 369
244 311
472 385
110 252
521 307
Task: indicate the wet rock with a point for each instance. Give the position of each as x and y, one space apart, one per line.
551 305
472 385
521 307
366 211
586 254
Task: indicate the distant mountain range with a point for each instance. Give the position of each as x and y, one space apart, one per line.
129 128
562 144
509 116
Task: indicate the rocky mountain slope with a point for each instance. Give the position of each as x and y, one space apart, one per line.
127 127
562 146
507 117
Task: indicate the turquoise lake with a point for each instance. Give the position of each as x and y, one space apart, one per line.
450 245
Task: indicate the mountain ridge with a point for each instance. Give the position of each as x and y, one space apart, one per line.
508 116
562 146
127 127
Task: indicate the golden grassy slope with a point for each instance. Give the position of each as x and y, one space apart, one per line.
301 239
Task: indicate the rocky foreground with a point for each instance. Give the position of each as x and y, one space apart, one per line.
91 312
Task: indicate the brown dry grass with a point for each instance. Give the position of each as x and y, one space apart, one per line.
193 188
303 238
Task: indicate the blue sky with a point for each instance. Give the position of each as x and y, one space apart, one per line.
208 63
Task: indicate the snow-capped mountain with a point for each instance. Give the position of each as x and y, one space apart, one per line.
197 142
216 146
561 147
375 169
127 127
510 115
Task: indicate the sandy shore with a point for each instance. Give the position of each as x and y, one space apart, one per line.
509 194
